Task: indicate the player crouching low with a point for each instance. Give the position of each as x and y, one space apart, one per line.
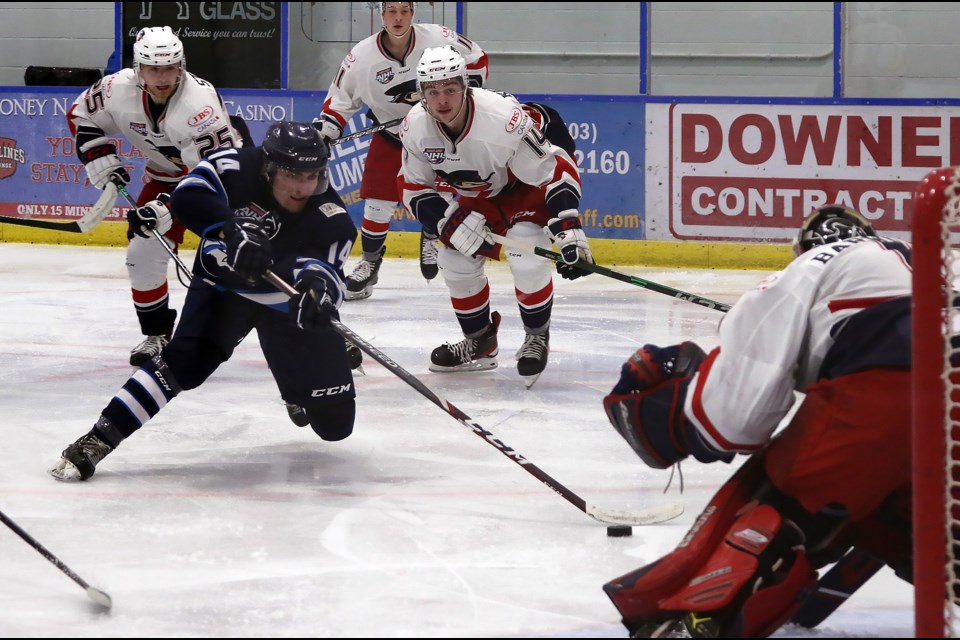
834 325
255 209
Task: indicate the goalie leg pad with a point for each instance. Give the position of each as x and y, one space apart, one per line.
637 595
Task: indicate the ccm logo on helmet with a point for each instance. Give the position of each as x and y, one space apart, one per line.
204 113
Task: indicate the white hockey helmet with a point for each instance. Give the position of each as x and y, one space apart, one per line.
382 6
441 63
156 47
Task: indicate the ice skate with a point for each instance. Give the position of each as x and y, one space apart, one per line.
428 255
470 354
80 459
150 347
360 282
532 356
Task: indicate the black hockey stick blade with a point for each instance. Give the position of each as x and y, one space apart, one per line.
651 515
98 596
850 572
616 275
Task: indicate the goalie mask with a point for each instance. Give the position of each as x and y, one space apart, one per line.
295 147
831 223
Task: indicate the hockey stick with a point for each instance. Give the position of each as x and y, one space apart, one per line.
616 275
850 572
363 132
88 221
100 597
181 268
650 515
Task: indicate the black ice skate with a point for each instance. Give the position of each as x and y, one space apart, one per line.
476 353
428 255
80 459
298 414
150 347
360 282
532 356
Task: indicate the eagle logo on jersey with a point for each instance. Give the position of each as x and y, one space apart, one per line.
384 76
404 93
434 155
466 180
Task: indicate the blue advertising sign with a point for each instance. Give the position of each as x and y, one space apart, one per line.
41 176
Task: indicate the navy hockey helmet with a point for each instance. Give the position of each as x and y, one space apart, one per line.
296 146
831 223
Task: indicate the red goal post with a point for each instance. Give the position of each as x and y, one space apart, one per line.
936 402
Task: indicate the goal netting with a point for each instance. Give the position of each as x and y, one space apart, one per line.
936 402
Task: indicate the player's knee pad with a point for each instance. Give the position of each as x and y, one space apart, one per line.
192 360
332 421
462 274
378 210
147 262
530 272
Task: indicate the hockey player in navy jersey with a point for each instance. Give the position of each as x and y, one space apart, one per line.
254 209
834 325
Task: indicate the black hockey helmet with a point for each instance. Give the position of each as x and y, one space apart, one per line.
295 146
831 223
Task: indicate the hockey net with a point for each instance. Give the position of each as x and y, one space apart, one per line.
936 402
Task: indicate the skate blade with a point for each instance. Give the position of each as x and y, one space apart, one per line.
530 380
483 364
65 471
358 295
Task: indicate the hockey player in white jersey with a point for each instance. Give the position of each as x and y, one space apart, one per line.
835 326
173 118
510 179
379 72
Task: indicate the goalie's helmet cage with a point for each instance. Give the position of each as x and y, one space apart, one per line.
296 146
157 47
831 223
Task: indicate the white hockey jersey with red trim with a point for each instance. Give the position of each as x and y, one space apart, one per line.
500 144
775 338
370 76
193 123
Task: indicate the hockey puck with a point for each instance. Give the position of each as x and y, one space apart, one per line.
620 531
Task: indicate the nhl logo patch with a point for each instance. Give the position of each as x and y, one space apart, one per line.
385 75
434 156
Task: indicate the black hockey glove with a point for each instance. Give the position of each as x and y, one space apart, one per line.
318 300
153 215
249 253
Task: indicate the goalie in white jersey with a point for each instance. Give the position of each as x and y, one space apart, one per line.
379 72
509 179
834 325
173 118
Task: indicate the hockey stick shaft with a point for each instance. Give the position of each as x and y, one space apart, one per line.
363 132
610 517
133 203
98 596
616 275
94 215
850 572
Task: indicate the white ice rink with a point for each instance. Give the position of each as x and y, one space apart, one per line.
221 518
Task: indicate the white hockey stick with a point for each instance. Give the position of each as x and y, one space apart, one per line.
90 219
648 515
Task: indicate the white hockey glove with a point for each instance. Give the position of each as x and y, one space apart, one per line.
465 232
153 215
101 162
329 129
566 232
